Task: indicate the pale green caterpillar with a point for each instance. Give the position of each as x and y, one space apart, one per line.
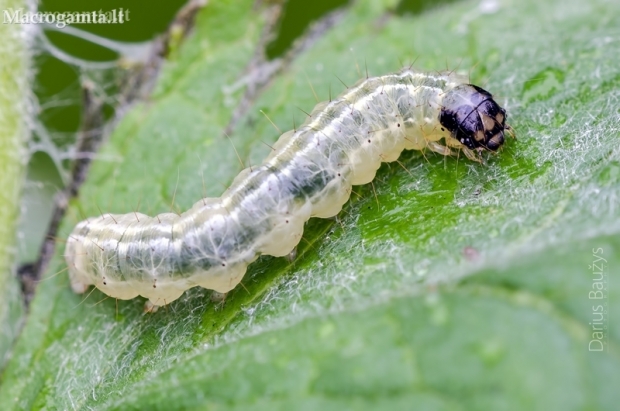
308 174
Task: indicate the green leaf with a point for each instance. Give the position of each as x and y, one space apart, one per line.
13 135
458 286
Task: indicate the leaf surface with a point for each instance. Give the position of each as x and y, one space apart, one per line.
457 286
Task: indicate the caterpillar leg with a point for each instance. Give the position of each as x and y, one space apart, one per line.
78 286
438 148
150 308
218 300
218 297
472 155
290 257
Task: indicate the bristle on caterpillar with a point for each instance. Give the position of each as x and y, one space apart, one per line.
308 174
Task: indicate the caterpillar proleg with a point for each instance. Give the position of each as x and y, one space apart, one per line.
309 173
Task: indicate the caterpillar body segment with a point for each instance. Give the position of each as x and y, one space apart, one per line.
309 173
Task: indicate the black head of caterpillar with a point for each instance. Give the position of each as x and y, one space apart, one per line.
473 118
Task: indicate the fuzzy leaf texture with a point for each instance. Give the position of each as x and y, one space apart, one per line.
460 286
14 111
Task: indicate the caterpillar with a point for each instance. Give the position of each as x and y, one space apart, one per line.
309 173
